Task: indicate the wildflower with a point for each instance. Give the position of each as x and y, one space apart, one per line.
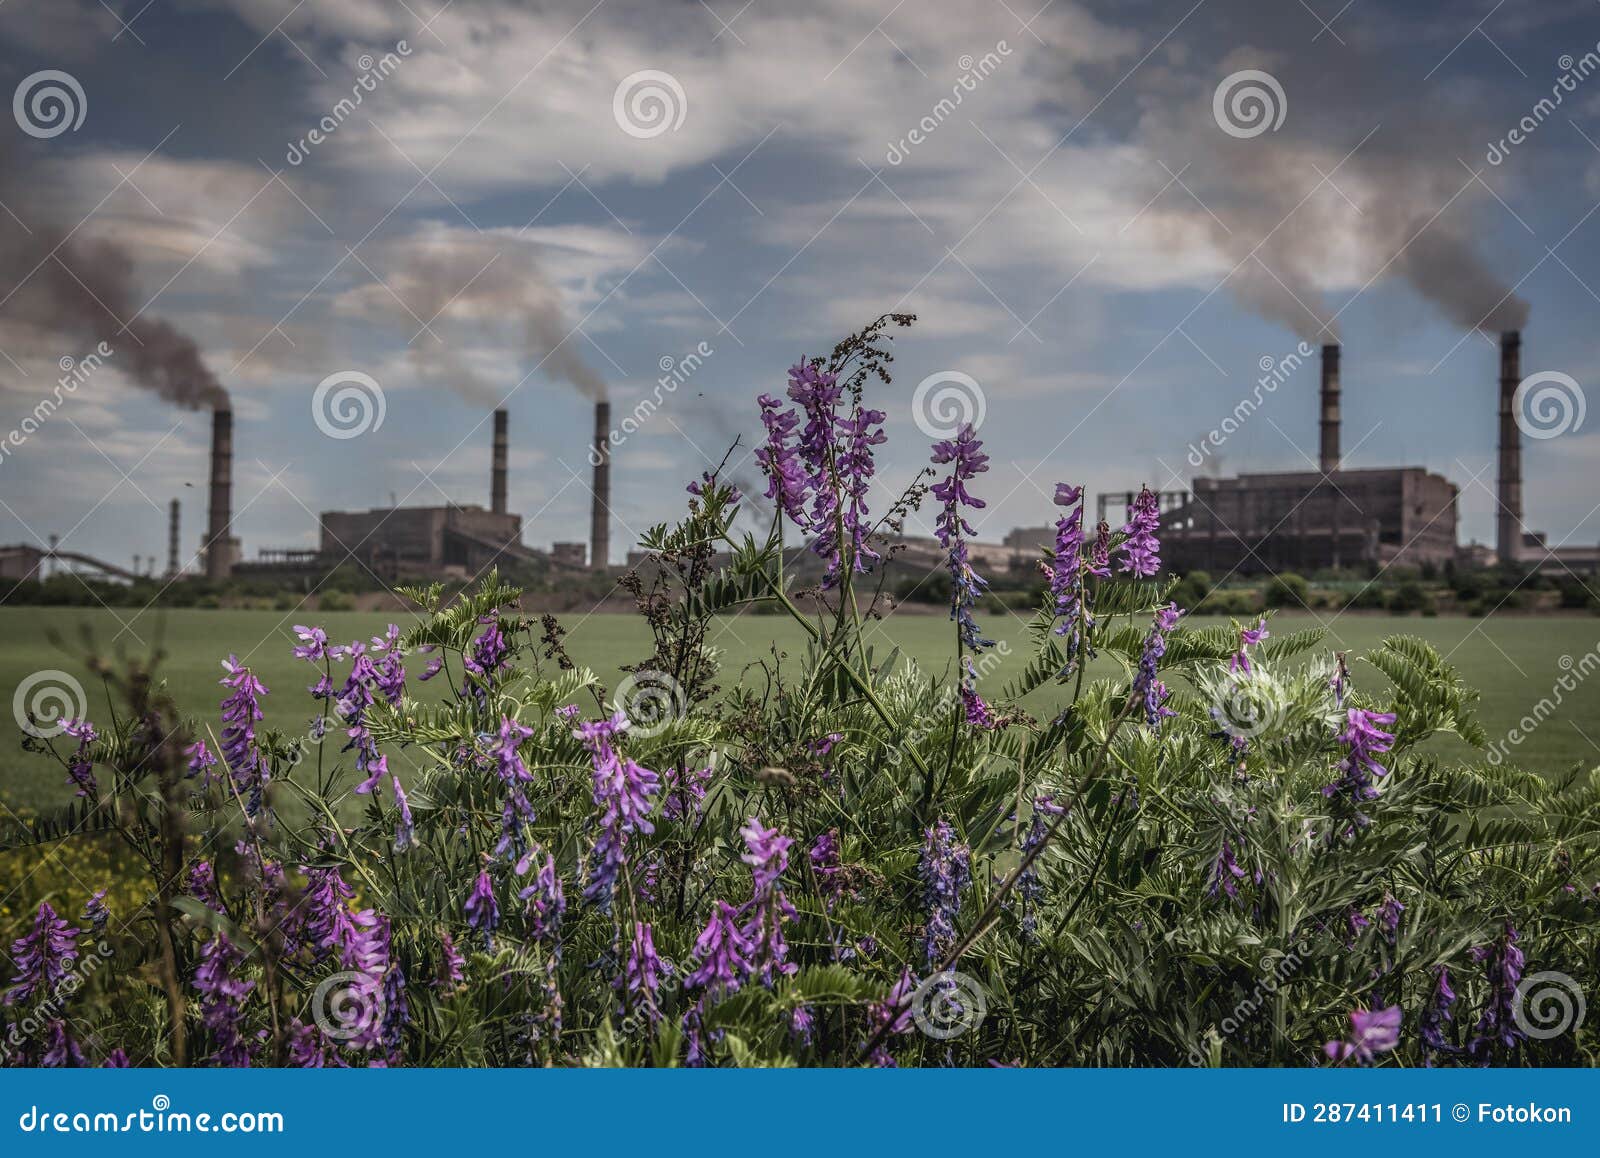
1502 966
1372 1031
623 791
241 711
802 1026
489 651
96 913
892 1016
547 902
405 831
43 956
1146 685
1364 740
724 954
642 974
313 644
321 912
117 1059
977 712
1030 886
451 963
222 995
309 1047
965 455
786 478
80 768
202 884
825 745
430 669
201 761
1226 873
1248 637
1069 593
825 867
1389 916
1435 1016
1141 550
769 908
684 795
61 1050
945 869
482 910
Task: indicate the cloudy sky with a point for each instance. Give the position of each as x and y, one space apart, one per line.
1084 221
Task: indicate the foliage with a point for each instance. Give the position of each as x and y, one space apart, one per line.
670 873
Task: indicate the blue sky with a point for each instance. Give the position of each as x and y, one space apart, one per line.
1080 235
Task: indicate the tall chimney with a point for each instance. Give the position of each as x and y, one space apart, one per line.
1508 489
1329 459
219 549
497 477
600 508
172 539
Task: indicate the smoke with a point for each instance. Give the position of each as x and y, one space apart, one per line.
488 290
1358 183
89 290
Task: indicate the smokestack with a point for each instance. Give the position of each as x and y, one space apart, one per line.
219 560
172 539
1330 408
497 476
600 510
1508 489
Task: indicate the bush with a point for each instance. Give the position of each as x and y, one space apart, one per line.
335 601
1287 590
667 873
1408 597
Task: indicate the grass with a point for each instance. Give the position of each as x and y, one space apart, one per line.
1514 661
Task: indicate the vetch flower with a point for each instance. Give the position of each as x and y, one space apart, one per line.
482 910
1141 549
945 869
1364 741
724 954
1248 637
222 995
42 956
1436 1014
1372 1031
623 791
1503 963
241 711
964 454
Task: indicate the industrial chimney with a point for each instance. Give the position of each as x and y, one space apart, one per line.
600 508
1329 459
1508 489
218 545
172 539
497 477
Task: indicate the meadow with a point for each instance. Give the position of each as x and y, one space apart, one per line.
1514 662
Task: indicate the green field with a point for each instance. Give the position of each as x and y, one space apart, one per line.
1514 661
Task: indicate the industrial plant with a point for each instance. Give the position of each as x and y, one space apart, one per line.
1333 517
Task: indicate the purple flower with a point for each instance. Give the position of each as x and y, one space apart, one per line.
1030 886
1389 915
825 867
786 477
202 885
451 963
1068 591
965 455
222 994
802 1026
769 908
1226 873
892 1015
547 902
241 711
825 745
489 651
61 1050
96 913
117 1059
723 952
1372 1031
623 791
1146 685
201 761
683 796
1248 637
43 956
80 768
1141 550
1503 963
483 911
1435 1016
945 869
976 711
642 975
314 644
1364 742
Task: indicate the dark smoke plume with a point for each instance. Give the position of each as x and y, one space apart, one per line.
88 290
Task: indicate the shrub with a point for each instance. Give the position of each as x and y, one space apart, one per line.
784 871
1287 590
